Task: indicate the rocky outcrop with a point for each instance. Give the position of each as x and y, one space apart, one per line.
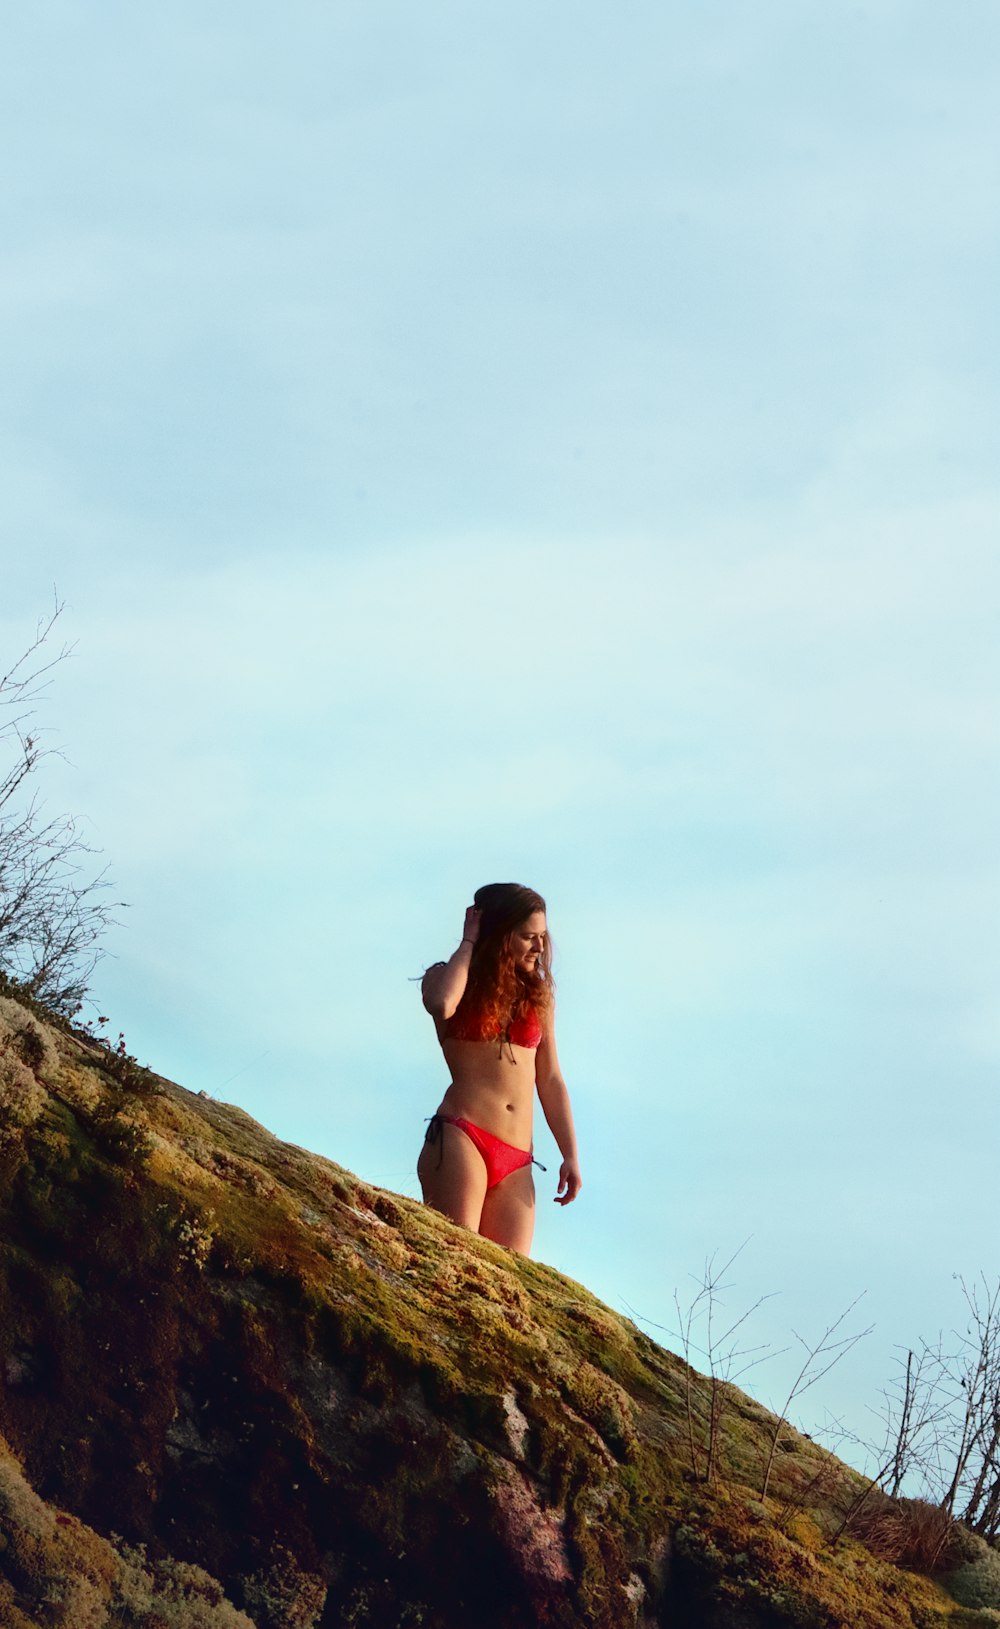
241 1384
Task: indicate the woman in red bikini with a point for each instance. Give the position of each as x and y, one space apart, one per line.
493 1010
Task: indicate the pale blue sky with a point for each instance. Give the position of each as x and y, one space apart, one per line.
554 444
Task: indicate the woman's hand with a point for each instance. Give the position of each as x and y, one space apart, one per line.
472 920
570 1182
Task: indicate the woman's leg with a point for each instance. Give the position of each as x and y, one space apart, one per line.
452 1176
508 1215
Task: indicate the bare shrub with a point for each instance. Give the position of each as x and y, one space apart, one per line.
975 1480
52 908
942 1417
819 1360
700 1335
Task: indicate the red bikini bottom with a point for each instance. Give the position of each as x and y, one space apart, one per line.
500 1158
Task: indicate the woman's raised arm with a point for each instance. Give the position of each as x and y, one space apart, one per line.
443 985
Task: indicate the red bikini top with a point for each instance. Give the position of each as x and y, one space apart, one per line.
472 1026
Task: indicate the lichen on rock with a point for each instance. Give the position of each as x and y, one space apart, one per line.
301 1401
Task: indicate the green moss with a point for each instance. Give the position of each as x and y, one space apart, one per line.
256 1364
977 1583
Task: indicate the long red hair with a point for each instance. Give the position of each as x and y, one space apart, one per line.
498 991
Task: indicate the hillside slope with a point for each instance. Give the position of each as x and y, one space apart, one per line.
238 1386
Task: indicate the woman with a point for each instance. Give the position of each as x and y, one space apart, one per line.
493 1010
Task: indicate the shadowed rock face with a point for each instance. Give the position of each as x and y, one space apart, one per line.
235 1357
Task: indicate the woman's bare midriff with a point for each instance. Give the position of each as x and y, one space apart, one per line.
495 1091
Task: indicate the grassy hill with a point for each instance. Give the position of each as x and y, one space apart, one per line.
239 1386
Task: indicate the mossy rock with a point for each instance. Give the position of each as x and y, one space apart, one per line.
976 1583
306 1402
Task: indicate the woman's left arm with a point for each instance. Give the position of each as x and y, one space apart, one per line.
553 1095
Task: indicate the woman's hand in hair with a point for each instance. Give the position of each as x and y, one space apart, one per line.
472 920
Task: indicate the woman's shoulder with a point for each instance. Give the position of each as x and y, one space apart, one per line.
430 988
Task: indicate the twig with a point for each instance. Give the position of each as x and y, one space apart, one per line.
804 1379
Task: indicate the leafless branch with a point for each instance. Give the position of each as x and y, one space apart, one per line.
53 908
808 1375
725 1360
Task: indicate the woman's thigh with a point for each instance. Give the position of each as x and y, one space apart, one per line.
508 1215
452 1176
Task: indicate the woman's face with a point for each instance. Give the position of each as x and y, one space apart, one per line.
528 941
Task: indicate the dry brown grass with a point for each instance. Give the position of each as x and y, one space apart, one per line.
910 1533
